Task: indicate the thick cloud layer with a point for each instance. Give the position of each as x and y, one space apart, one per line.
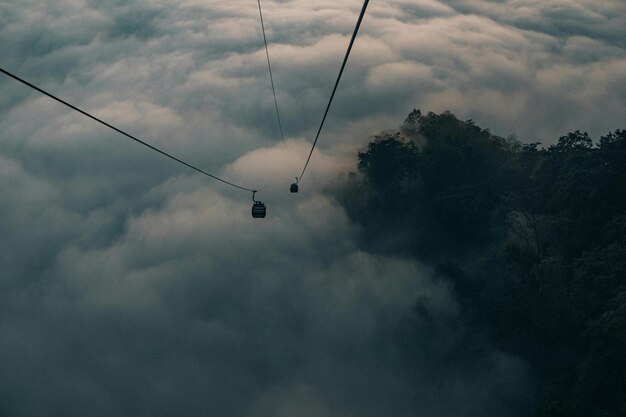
192 308
129 286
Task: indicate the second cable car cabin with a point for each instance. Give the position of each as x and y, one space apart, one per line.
294 187
258 208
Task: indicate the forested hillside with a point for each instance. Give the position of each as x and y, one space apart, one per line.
533 240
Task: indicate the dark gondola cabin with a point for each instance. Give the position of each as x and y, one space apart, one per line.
294 186
258 210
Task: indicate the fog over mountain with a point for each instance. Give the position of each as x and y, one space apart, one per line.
130 286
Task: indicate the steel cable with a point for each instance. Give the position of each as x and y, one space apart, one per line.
122 132
269 66
332 96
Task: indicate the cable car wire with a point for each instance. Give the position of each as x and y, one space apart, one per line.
269 66
122 132
343 66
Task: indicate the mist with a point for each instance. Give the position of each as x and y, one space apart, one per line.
130 286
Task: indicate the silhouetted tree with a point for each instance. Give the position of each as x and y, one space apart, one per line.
533 240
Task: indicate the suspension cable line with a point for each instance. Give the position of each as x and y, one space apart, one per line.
124 133
269 66
332 96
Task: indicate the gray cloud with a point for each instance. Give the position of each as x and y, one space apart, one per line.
561 18
192 309
131 287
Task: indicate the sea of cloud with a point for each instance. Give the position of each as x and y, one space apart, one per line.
132 287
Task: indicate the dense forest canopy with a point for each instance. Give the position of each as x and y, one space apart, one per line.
532 238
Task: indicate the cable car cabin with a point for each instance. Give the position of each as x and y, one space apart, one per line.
258 210
294 187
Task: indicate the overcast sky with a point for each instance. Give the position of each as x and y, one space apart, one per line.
131 287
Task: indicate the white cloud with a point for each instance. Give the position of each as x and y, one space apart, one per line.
131 286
